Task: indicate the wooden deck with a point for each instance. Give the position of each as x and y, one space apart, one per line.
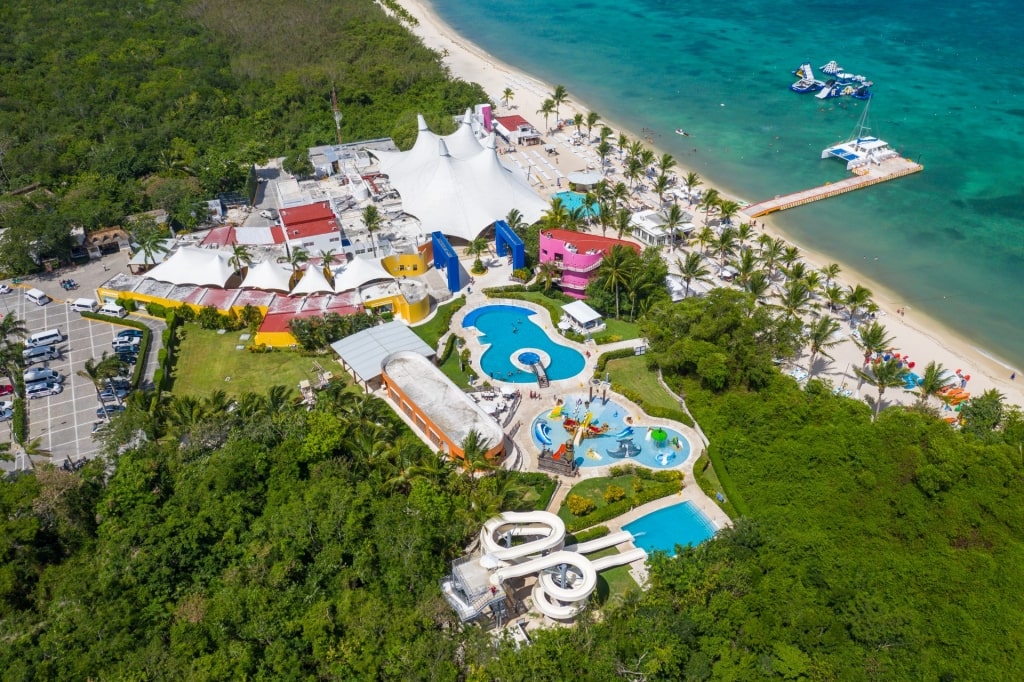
888 170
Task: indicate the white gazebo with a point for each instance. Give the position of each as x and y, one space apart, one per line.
582 318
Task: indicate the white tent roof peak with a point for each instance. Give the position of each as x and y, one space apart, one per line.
421 123
442 148
268 276
358 272
313 282
190 265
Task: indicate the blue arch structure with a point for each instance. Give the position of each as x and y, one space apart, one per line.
505 240
446 259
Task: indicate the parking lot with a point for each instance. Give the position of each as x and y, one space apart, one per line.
64 422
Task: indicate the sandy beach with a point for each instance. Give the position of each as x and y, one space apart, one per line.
921 338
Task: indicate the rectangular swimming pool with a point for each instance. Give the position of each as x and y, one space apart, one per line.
680 524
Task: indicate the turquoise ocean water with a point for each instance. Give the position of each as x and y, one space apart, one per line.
949 241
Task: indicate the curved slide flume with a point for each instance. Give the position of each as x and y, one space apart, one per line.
542 432
547 528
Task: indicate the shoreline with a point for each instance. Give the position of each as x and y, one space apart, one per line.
923 336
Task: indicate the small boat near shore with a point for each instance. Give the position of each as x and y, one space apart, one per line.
680 131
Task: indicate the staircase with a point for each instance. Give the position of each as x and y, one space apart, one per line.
542 376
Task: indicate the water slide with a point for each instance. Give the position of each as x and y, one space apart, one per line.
620 559
541 432
624 433
582 429
547 528
562 603
555 413
824 93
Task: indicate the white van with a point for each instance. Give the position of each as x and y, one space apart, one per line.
84 305
40 354
114 310
43 374
47 338
36 296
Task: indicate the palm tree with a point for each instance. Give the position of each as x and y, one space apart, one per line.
666 162
790 255
507 95
634 169
548 272
603 150
935 377
771 253
725 244
621 221
795 299
820 336
705 237
692 269
605 134
12 329
661 185
559 96
556 214
618 193
709 200
575 217
616 271
326 261
634 149
372 219
577 121
745 267
757 285
744 233
547 108
797 271
475 248
691 182
882 375
857 298
514 219
830 271
835 297
727 210
240 257
100 372
151 244
813 281
592 118
673 219
874 338
623 142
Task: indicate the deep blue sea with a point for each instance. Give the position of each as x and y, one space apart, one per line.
949 92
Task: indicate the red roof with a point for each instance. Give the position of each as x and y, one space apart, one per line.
219 236
305 214
513 122
586 242
312 229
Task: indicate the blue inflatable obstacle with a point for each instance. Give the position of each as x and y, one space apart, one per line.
542 432
624 433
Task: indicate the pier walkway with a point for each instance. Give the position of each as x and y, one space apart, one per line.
890 169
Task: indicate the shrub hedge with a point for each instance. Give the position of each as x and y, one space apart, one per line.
140 366
603 359
589 534
622 506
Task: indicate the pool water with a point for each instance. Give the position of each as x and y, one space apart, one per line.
620 442
680 524
510 333
573 200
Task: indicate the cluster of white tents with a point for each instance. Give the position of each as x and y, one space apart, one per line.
210 268
456 184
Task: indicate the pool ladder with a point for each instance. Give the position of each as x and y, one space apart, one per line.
542 376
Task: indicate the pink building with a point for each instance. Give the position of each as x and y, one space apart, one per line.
578 255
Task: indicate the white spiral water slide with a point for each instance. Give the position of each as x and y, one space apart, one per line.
546 555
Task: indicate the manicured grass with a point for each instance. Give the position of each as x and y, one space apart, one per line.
594 488
617 330
450 369
432 330
536 497
631 377
206 359
553 306
612 583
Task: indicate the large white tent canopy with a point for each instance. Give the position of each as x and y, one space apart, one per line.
313 282
268 276
457 186
357 273
199 267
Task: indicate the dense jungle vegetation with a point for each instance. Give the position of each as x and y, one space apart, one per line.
251 539
114 108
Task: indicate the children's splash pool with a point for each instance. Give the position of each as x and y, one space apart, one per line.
612 437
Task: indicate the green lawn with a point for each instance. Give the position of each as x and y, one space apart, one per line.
553 306
450 369
432 330
617 330
614 582
207 359
593 488
631 377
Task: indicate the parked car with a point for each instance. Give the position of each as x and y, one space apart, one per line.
109 410
129 358
6 414
6 389
129 334
108 395
127 343
4 289
6 404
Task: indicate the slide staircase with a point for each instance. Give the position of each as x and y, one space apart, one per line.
542 376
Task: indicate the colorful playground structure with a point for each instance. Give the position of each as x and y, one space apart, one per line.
517 545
